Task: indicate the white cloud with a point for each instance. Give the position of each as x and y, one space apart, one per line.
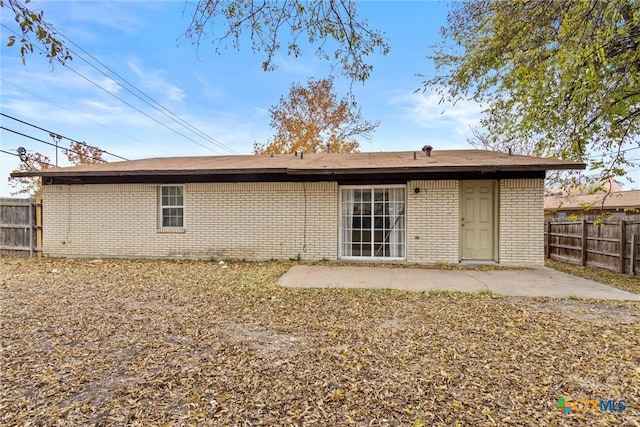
99 107
425 110
154 81
60 78
207 89
101 13
293 65
260 111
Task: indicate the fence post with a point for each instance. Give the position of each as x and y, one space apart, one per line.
31 217
623 243
39 225
548 248
584 242
632 261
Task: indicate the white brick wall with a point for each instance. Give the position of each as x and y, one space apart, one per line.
521 220
432 221
222 220
267 220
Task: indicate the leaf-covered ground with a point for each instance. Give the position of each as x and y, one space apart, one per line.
197 343
625 282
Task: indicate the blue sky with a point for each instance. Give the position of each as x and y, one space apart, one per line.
226 95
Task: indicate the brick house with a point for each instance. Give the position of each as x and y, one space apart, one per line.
419 207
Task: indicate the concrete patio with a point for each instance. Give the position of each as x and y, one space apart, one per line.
534 282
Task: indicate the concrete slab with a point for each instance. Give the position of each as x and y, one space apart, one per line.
536 282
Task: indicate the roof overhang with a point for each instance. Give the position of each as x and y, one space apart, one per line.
310 167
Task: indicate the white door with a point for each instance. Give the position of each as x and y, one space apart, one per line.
477 220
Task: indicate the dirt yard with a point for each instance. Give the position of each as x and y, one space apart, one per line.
196 343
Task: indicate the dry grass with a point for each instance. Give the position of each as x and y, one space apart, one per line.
192 343
621 281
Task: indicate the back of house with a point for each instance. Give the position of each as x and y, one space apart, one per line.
427 206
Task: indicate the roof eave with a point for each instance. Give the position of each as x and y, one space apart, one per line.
70 174
300 171
435 169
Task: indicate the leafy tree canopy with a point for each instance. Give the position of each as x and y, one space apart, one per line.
312 118
269 22
561 76
31 23
332 26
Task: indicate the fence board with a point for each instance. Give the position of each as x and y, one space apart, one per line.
19 226
610 245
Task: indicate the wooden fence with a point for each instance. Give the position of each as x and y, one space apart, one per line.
611 245
20 227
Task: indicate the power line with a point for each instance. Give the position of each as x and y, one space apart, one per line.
70 111
9 152
140 111
125 102
130 105
162 108
18 155
65 137
52 144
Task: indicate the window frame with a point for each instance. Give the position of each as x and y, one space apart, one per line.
341 228
560 216
161 207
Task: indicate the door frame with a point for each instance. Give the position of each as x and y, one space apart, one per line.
495 192
340 225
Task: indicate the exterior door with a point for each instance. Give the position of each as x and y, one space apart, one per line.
477 220
372 222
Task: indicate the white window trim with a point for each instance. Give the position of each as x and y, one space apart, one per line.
184 209
363 258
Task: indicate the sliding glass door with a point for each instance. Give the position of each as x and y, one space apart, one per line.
372 221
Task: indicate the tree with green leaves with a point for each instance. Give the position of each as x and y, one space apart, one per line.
272 23
312 119
31 23
333 27
561 76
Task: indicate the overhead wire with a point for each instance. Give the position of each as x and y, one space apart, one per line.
70 111
65 137
162 109
18 155
213 141
52 144
139 110
126 103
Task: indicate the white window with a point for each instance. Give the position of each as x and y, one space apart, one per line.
171 206
561 216
372 222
